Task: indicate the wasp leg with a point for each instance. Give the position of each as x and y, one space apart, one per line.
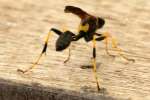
104 37
106 46
114 45
38 59
75 38
31 67
78 36
94 63
100 38
68 58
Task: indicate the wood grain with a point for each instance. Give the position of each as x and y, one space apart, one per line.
25 23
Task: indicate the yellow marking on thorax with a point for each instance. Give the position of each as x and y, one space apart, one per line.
84 28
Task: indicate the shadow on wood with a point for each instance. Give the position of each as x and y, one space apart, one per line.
14 91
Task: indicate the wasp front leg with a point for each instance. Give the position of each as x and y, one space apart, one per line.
115 46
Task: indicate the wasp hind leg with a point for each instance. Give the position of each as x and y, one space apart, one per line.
43 51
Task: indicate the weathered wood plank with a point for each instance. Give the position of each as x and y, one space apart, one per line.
24 25
15 91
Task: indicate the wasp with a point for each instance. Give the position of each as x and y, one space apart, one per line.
87 29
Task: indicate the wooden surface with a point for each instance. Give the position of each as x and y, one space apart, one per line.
16 91
25 23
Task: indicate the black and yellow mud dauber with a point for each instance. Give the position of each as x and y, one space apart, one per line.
87 30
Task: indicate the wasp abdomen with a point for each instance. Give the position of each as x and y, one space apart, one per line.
64 40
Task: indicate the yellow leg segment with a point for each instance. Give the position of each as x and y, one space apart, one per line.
114 45
68 56
106 46
37 61
94 63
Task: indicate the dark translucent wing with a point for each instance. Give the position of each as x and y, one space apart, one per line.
77 11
